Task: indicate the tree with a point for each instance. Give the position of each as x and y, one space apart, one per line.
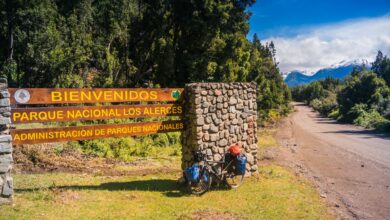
381 66
273 92
376 65
134 43
368 89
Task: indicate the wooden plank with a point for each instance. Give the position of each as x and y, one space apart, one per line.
76 113
73 133
92 95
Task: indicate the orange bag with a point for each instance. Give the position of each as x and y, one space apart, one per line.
234 150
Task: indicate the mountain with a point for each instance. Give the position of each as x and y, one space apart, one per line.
338 71
296 78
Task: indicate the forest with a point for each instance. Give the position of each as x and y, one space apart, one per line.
363 98
136 43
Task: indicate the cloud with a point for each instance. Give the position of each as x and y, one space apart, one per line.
318 47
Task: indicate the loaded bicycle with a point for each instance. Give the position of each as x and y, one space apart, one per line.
230 170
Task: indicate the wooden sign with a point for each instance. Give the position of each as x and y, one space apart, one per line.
75 113
46 135
60 96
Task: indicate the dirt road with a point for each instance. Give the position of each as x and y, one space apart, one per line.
350 165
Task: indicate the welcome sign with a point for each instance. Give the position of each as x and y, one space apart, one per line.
41 96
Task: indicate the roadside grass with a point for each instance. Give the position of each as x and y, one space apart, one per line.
274 194
266 138
267 144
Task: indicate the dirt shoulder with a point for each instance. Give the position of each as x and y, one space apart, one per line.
341 160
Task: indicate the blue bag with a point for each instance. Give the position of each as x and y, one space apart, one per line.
192 173
205 177
240 164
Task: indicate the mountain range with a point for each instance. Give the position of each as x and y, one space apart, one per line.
338 71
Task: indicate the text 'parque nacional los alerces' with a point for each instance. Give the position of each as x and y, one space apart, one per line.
45 135
51 114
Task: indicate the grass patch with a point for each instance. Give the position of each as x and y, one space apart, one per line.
267 144
144 187
274 194
267 138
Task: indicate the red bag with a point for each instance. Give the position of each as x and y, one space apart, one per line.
234 150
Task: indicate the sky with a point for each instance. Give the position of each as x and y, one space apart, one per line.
311 34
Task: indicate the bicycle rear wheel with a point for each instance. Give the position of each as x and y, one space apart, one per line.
204 184
232 179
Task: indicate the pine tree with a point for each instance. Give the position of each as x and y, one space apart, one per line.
376 65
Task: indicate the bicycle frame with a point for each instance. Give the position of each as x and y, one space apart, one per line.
213 168
210 171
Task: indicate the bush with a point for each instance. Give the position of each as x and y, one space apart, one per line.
355 112
335 114
365 87
324 105
369 119
127 148
316 104
161 140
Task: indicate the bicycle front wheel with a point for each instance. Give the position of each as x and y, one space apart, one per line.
204 183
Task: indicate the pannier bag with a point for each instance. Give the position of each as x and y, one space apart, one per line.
192 173
205 177
240 164
234 150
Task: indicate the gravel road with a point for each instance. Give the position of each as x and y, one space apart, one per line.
350 165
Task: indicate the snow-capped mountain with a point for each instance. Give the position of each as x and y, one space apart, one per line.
338 71
356 62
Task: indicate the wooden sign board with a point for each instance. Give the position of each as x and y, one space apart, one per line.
93 95
75 113
59 134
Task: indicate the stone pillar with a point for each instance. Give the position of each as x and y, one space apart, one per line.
6 184
217 116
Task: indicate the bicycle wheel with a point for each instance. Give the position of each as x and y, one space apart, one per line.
232 179
204 184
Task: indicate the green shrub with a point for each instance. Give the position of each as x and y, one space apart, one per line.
335 113
355 112
127 148
371 119
161 140
316 104
324 105
174 137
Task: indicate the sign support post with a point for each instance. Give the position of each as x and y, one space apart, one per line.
6 160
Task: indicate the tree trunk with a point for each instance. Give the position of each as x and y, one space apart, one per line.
10 19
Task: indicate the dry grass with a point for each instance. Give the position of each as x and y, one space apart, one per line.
266 138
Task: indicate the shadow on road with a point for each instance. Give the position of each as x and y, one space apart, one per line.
363 133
